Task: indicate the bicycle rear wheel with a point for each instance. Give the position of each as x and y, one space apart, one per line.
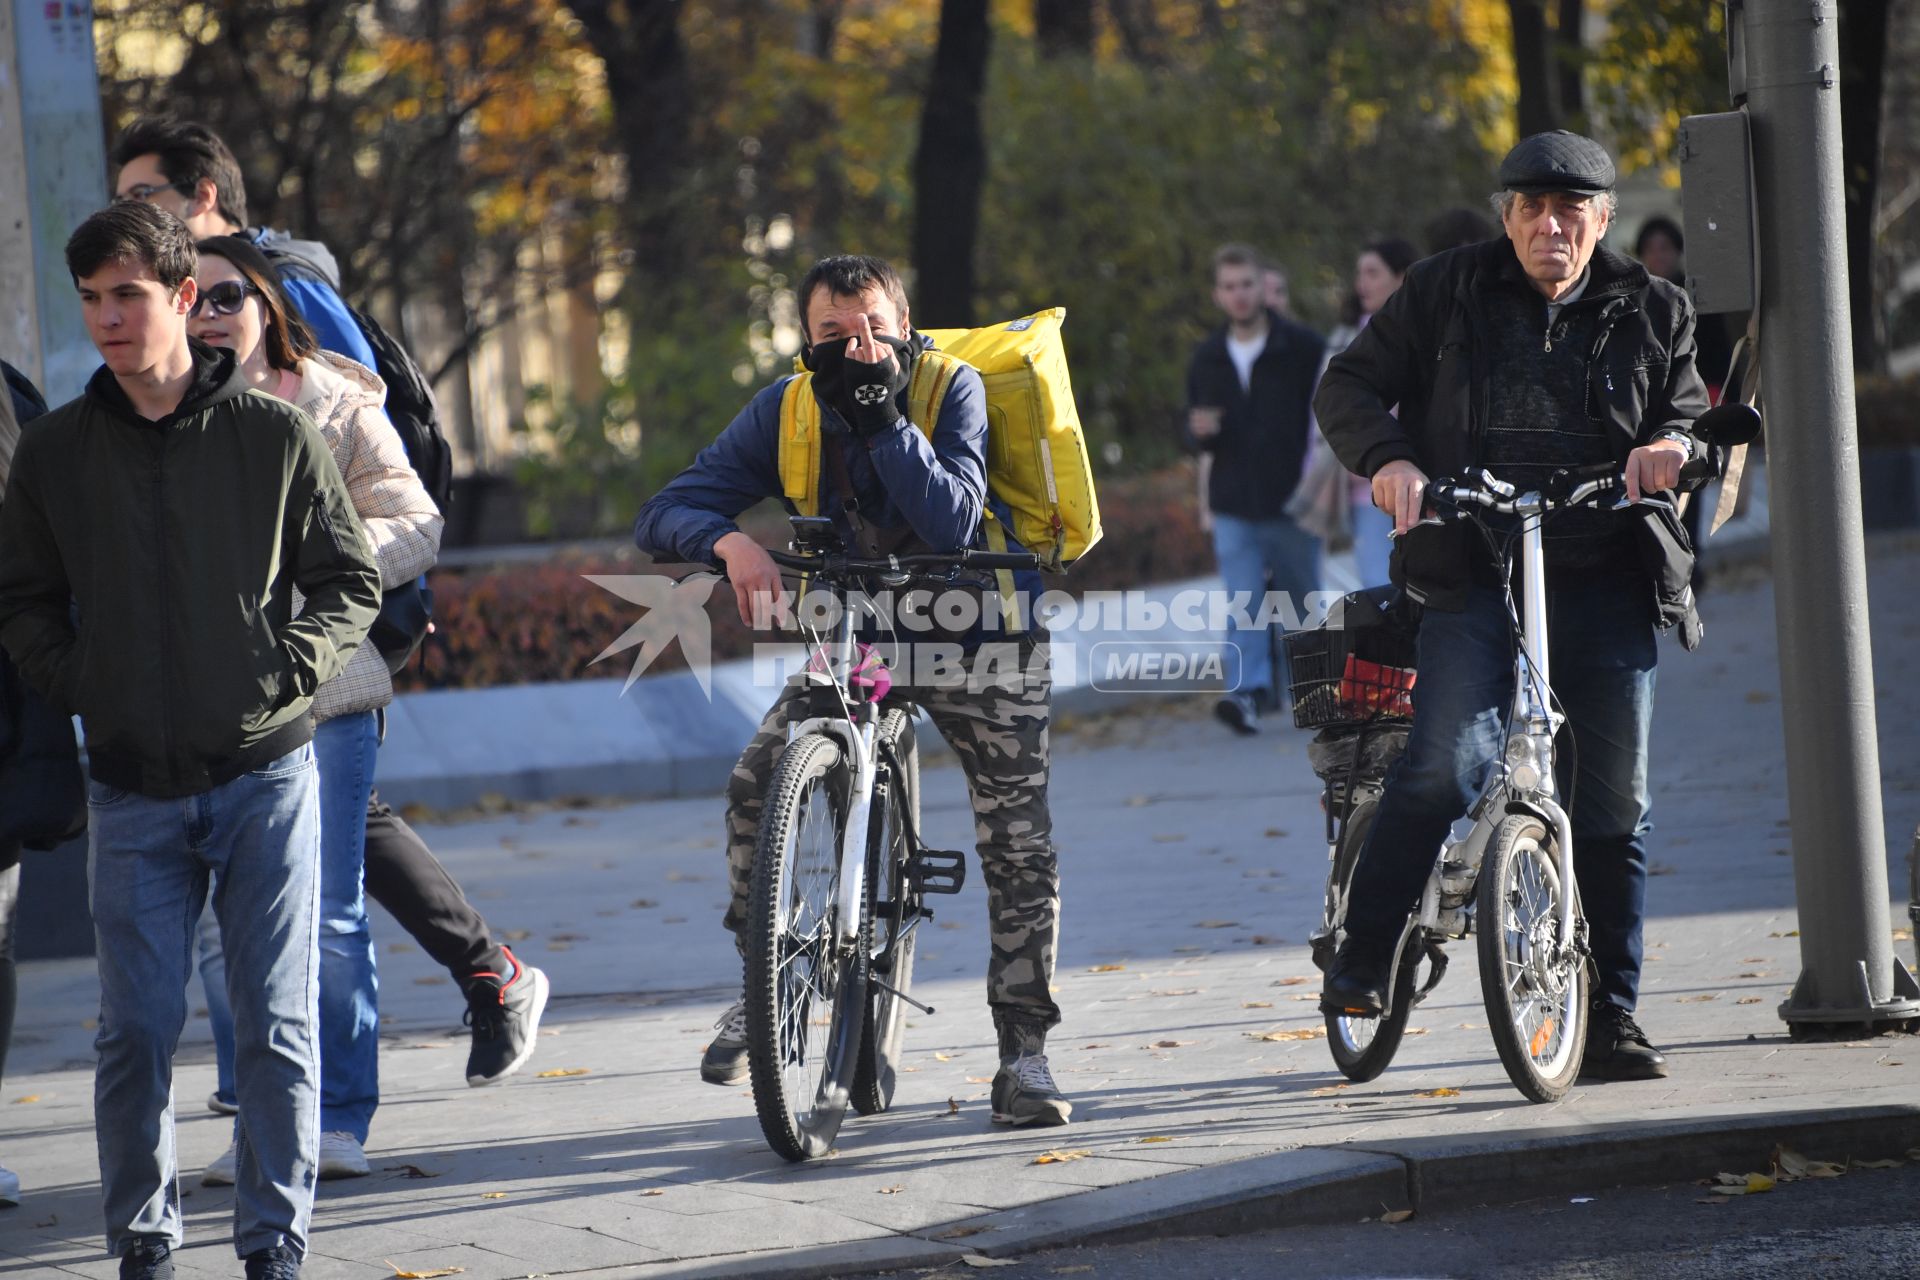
805 996
1536 991
1362 1047
896 917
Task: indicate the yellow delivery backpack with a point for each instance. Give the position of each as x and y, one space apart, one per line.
1037 459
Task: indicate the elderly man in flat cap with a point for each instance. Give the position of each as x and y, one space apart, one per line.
1535 351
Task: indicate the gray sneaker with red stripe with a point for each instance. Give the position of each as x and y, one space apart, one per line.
504 1012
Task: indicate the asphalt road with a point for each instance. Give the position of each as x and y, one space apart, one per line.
1863 1225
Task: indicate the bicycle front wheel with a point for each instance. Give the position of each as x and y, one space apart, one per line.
805 994
1536 990
896 917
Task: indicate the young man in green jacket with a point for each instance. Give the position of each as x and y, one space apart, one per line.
153 532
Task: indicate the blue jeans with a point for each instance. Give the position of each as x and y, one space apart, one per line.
1247 552
149 862
345 748
1602 650
1372 543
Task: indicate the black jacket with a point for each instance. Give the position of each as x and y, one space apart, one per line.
179 543
1426 351
1258 455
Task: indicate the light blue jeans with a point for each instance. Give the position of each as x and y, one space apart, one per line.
149 863
346 749
1372 542
1247 552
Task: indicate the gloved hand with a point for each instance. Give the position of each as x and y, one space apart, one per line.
861 378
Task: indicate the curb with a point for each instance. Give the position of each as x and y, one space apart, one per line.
1317 1185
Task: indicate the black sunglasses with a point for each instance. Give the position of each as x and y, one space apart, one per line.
223 299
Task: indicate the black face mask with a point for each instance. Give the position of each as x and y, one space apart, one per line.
832 370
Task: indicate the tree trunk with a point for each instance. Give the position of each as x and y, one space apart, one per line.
1533 67
639 46
1063 27
1863 51
1569 53
950 166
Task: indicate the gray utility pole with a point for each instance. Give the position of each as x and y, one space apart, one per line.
1791 67
53 168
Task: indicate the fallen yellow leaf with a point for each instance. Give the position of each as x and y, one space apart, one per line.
493 1195
945 1057
1396 1215
1330 1090
891 1191
1164 1138
1218 924
1106 968
1748 1000
1438 1093
979 1079
1256 1004
399 1274
27 1097
1291 982
655 1192
1302 1033
953 1107
1096 1046
558 1072
1060 1157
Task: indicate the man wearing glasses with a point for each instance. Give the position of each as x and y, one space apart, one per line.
187 170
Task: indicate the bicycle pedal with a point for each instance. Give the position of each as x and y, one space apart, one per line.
938 870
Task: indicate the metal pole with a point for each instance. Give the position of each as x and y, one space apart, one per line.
1848 971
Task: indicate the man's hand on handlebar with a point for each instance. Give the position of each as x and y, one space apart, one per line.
1400 489
1654 468
757 589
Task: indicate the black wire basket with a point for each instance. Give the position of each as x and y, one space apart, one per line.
1350 676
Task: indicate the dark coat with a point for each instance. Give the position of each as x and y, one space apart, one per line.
1426 351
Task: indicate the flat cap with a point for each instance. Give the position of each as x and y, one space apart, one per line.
1557 161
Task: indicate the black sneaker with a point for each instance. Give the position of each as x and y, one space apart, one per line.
725 1060
505 1017
1617 1049
1024 1094
150 1258
1239 713
277 1263
1356 983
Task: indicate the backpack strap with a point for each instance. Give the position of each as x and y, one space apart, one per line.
799 463
933 372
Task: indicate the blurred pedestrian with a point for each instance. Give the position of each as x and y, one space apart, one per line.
1249 391
1456 227
186 169
152 538
1331 501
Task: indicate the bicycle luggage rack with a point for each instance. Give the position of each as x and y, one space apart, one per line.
937 870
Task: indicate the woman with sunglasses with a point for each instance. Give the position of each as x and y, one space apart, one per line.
241 307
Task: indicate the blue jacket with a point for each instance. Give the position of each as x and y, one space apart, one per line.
900 477
311 280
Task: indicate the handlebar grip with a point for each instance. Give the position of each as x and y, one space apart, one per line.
999 560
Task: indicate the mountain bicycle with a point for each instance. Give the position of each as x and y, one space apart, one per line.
841 875
1509 880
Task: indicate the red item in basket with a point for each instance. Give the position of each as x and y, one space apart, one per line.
1376 689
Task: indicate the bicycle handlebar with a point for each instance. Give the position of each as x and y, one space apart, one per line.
838 562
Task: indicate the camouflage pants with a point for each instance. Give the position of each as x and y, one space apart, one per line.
999 734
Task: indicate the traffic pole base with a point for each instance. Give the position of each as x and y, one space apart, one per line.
1852 1013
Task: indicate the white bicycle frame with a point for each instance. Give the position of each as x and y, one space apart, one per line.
857 746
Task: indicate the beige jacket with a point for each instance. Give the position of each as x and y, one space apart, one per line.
344 400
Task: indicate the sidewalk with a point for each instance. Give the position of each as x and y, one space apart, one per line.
1192 866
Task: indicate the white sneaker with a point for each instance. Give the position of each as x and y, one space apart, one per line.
9 1188
220 1106
221 1172
341 1156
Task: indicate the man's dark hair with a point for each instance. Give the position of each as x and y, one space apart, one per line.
188 152
133 231
1659 225
1456 227
848 275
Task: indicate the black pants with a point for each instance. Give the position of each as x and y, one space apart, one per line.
404 877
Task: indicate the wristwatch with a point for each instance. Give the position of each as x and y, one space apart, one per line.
1686 441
